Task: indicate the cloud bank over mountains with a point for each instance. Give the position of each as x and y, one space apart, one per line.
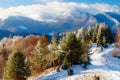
49 10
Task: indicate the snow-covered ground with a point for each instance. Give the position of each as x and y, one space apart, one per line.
102 64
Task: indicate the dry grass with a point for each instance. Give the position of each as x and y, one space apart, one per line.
2 63
103 55
115 53
117 45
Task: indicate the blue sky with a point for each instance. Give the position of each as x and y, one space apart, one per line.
14 3
112 2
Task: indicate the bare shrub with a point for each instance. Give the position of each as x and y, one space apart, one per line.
117 38
115 53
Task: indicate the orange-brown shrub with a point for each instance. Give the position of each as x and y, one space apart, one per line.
115 53
117 45
23 44
2 63
117 38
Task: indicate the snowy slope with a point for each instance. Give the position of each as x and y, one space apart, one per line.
102 64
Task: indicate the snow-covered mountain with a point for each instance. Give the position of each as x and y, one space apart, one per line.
61 23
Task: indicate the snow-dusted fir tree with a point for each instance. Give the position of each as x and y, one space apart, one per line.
16 67
81 34
89 34
104 35
95 32
71 46
54 46
40 50
99 35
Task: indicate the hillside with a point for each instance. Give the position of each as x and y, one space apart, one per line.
60 40
103 64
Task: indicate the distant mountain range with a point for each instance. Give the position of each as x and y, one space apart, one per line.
19 25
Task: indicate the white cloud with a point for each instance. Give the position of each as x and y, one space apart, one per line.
48 0
105 7
50 10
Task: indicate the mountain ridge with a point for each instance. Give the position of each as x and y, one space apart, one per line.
62 23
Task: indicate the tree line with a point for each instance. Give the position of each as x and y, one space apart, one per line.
33 54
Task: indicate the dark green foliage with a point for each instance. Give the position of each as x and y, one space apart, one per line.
38 53
96 77
81 35
95 32
54 46
101 48
42 58
65 64
85 67
75 51
100 34
85 59
58 69
71 46
104 35
16 67
61 58
89 34
54 43
70 72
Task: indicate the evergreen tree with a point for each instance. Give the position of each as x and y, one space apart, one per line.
71 47
95 32
89 34
85 59
99 36
16 67
107 34
104 35
81 34
104 42
65 64
40 50
54 46
61 58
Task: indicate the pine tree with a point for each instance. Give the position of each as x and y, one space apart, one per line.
71 47
65 64
16 68
107 34
61 58
104 35
81 34
54 46
95 32
104 42
40 50
99 37
85 59
89 33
